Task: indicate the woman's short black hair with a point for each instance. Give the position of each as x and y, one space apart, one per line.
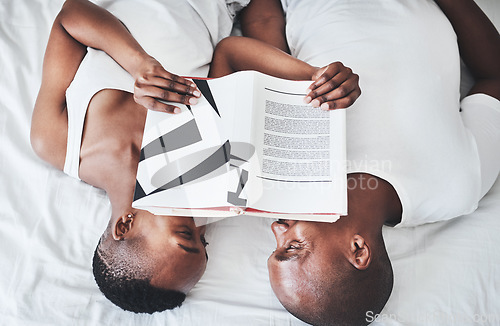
127 284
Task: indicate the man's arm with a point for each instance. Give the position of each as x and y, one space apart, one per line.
264 20
479 44
334 86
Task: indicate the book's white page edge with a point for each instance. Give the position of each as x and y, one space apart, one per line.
299 217
188 212
339 166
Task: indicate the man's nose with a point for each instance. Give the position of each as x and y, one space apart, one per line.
280 227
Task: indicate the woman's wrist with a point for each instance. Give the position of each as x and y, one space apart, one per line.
137 63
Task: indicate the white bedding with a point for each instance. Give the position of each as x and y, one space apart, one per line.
445 273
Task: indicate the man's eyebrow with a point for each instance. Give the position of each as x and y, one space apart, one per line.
282 258
189 249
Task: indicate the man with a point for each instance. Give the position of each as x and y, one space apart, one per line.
413 158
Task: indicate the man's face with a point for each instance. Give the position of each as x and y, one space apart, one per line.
304 256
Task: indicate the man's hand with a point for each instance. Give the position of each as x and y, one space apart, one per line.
335 87
154 86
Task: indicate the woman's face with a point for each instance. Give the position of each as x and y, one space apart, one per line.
176 247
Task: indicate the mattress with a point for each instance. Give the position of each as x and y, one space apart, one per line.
446 273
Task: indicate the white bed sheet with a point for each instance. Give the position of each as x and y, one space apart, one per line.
445 273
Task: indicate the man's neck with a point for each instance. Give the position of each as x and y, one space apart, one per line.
372 202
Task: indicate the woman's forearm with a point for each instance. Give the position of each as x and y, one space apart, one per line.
95 27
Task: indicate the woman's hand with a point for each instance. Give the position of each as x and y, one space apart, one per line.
335 87
154 86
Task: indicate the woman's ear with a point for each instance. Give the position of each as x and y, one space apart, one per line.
122 226
360 252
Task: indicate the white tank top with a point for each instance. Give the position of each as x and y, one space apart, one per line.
180 34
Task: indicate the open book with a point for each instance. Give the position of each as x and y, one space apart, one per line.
250 146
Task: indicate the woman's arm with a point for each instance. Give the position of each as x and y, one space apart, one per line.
335 86
49 123
80 24
479 44
95 27
264 20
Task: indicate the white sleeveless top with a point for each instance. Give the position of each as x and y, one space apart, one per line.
180 34
406 127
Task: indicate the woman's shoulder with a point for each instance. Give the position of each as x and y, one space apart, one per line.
112 136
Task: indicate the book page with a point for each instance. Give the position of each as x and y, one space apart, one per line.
236 113
300 149
187 160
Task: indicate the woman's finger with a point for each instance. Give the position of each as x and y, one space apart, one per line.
169 84
153 104
164 94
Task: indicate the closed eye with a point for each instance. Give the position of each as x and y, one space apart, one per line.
185 234
294 245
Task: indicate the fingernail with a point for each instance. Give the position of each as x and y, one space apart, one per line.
324 107
307 99
197 93
177 110
193 101
315 103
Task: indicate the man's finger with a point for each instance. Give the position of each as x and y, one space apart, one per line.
342 103
335 89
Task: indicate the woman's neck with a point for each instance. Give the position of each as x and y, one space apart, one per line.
120 184
111 146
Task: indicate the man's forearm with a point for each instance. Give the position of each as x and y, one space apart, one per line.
478 38
95 27
241 53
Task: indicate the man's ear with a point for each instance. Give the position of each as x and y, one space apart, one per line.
359 253
122 226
